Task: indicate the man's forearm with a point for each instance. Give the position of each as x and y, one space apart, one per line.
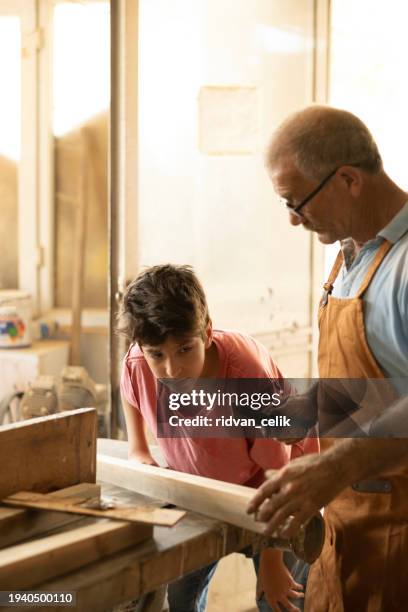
310 482
393 423
356 459
382 452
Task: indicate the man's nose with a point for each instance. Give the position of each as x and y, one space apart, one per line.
295 219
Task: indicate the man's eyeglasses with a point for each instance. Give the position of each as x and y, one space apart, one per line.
295 210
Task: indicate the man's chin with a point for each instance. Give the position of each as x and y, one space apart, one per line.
323 235
325 238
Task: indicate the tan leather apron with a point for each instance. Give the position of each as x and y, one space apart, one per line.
364 563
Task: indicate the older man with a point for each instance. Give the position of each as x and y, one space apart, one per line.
326 168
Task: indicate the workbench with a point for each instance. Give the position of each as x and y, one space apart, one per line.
193 543
60 533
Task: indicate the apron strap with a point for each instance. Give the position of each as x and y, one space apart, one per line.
379 256
328 286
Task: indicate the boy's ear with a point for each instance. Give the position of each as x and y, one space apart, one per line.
208 335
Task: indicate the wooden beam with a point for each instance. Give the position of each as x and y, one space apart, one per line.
214 498
133 514
48 453
18 525
217 499
28 564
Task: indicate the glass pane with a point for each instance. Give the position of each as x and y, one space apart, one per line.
10 130
366 78
374 88
81 99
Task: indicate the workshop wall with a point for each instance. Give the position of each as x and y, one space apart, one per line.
224 74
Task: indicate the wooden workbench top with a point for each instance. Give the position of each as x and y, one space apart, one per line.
194 542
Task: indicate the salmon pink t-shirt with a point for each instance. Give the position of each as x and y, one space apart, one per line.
236 460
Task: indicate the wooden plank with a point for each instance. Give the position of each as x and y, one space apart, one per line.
217 499
135 514
18 525
26 565
214 498
48 453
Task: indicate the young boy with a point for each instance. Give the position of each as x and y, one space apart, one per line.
165 316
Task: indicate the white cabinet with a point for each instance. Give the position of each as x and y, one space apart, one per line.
20 366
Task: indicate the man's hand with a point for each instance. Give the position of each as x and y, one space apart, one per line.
298 491
276 583
143 457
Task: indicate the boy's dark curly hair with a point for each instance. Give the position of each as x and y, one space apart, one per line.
166 300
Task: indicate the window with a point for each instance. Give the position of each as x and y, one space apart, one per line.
10 129
81 83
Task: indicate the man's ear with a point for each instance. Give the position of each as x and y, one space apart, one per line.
208 335
353 179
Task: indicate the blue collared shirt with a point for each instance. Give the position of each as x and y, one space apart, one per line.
386 299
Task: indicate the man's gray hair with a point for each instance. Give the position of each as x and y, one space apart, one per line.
320 138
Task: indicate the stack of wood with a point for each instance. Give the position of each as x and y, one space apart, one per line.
59 524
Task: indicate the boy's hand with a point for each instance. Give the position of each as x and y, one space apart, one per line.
276 583
145 458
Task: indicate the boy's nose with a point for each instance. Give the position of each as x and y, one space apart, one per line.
173 369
